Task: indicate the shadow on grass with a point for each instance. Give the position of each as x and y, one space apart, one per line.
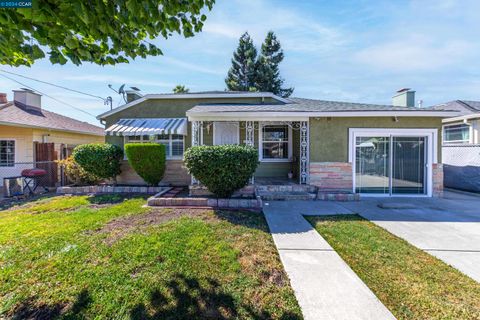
7 203
113 198
188 299
249 219
30 310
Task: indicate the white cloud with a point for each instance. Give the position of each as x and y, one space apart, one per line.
412 54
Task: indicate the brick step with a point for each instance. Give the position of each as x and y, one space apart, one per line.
286 188
286 195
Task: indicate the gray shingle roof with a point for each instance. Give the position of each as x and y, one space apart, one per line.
18 115
465 107
306 105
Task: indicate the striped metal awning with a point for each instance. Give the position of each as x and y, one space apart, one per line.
150 126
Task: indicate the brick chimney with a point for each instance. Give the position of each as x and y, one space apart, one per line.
27 99
3 98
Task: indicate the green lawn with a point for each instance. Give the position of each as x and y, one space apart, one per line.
108 257
410 282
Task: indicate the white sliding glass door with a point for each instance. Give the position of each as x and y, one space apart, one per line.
392 163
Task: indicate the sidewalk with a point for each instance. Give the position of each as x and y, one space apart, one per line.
325 286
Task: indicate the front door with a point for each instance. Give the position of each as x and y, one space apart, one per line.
226 133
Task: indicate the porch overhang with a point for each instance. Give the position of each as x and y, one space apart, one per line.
303 116
148 126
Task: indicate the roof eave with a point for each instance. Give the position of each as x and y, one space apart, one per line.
317 114
21 125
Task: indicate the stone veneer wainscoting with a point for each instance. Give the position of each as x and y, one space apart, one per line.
331 176
437 172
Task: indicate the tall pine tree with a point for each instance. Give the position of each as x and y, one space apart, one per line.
242 74
267 72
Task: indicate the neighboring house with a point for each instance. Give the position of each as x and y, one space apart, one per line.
30 136
461 145
336 146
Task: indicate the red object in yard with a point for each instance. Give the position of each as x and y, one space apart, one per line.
33 173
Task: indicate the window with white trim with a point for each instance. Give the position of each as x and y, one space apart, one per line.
174 143
457 133
275 142
7 153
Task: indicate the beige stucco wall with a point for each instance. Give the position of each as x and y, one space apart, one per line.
69 139
24 141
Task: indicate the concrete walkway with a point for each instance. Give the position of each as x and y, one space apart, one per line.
447 228
325 286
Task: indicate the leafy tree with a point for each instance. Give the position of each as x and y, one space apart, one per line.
98 31
180 89
268 73
241 76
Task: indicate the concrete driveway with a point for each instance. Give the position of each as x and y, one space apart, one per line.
447 228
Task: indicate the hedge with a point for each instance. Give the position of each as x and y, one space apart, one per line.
222 169
148 160
101 160
76 174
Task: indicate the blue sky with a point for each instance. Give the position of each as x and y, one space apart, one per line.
359 51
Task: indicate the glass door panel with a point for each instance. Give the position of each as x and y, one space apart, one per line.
372 165
408 169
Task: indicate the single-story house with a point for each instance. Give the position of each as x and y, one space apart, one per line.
31 136
461 145
336 146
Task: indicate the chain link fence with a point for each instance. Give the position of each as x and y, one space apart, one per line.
16 179
461 165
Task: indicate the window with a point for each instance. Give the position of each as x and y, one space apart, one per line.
7 153
276 142
174 143
458 133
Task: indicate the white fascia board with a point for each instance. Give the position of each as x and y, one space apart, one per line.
20 125
305 115
461 118
193 96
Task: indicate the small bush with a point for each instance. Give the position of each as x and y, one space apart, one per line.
76 174
148 160
222 169
101 160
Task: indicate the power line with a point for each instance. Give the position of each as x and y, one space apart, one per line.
53 98
53 84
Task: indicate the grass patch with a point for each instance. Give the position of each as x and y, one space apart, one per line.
410 282
83 257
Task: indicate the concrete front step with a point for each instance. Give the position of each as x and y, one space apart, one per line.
286 195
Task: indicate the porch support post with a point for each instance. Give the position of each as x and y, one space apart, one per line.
197 139
304 152
250 139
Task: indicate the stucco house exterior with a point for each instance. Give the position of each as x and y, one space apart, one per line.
461 145
378 150
30 135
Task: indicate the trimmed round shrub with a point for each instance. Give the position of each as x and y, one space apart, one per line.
222 169
148 160
99 159
76 174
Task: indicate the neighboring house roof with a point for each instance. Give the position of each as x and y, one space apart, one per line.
194 95
301 105
467 109
15 115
